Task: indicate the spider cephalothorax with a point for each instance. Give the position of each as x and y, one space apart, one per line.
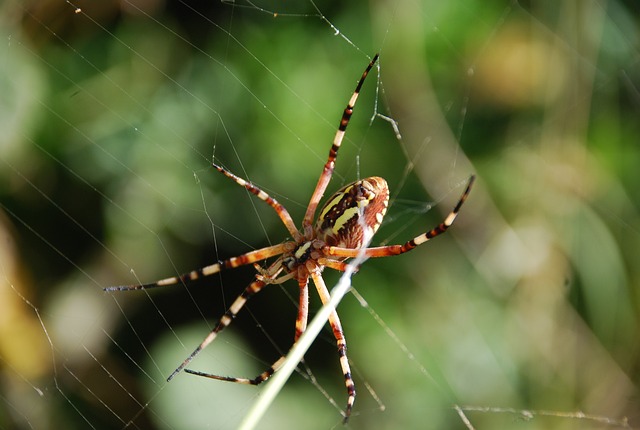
345 225
348 219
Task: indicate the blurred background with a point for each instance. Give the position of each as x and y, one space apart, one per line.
524 314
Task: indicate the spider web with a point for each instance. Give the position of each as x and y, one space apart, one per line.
525 315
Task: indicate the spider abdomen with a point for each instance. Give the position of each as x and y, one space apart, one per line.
353 213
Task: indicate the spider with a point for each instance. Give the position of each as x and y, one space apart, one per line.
343 227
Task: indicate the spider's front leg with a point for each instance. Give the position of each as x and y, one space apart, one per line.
194 275
327 171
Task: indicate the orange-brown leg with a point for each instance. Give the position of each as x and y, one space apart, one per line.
386 251
325 177
254 288
336 326
301 325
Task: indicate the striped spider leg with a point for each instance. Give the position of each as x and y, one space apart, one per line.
345 224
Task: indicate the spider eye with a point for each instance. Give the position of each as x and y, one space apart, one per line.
353 213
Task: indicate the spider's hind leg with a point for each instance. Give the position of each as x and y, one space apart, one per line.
255 381
224 322
336 327
301 325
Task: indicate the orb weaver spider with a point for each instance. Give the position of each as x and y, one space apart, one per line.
346 221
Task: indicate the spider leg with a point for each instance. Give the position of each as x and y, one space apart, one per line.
325 177
303 307
230 263
280 210
336 326
386 251
340 266
254 288
255 381
301 325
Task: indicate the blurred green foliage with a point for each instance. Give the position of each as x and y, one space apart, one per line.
111 113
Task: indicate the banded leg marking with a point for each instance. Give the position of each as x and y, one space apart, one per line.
327 172
336 326
231 263
280 210
385 251
224 322
246 381
301 325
